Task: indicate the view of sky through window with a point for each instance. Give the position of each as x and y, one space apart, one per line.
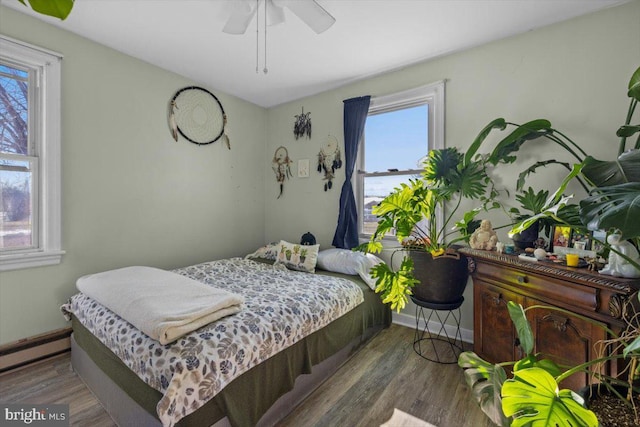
394 140
397 140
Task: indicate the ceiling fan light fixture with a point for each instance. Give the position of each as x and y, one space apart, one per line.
309 11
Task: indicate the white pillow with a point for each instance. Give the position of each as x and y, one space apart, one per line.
349 262
298 257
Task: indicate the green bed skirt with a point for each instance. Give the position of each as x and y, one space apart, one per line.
249 396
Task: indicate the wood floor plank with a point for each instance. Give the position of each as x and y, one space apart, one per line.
383 375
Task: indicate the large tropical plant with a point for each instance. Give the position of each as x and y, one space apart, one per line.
613 186
530 391
529 394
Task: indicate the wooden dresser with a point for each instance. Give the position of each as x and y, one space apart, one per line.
562 336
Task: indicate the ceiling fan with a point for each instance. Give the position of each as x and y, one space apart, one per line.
309 11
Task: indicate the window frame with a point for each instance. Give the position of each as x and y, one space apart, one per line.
432 94
44 144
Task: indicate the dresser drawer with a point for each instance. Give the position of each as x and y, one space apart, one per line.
548 289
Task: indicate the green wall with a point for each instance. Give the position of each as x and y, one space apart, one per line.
131 195
573 73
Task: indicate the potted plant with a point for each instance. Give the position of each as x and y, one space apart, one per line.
613 203
416 212
413 210
617 397
533 202
532 394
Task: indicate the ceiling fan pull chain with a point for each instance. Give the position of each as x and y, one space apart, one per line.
265 70
257 33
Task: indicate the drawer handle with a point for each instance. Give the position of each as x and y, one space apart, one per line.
496 300
559 322
522 279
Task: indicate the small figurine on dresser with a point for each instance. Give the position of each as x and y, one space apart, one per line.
484 237
618 266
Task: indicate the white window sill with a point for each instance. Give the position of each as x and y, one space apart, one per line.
30 259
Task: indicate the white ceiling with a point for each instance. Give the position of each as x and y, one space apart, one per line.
369 37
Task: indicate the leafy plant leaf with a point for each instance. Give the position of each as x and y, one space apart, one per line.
533 399
628 130
523 328
531 169
634 85
532 361
441 166
533 201
402 210
617 206
633 347
495 124
512 142
556 203
395 287
626 168
56 8
485 381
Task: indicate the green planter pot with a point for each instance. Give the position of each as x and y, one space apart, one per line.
527 238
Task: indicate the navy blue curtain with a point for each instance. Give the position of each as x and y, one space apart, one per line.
355 116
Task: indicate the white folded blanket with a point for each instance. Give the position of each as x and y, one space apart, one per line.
162 304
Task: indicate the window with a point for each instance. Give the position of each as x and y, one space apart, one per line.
400 130
29 155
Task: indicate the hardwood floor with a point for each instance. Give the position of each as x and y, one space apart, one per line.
383 375
52 381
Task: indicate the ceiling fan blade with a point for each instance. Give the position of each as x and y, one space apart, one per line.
275 13
242 14
310 12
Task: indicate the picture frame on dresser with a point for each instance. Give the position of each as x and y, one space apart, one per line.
580 240
560 237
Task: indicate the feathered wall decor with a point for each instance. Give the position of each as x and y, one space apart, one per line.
281 165
302 126
329 159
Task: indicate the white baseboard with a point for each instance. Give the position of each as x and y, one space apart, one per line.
434 327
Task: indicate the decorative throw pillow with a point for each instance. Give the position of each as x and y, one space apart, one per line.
349 262
269 251
298 257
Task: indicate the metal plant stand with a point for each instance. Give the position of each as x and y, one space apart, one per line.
438 347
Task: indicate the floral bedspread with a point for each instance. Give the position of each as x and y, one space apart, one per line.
281 308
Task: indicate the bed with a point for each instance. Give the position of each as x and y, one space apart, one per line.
117 366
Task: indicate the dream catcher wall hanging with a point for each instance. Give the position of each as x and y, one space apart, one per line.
281 165
302 126
197 115
329 159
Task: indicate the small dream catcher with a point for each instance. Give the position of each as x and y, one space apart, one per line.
281 165
302 125
197 115
329 159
